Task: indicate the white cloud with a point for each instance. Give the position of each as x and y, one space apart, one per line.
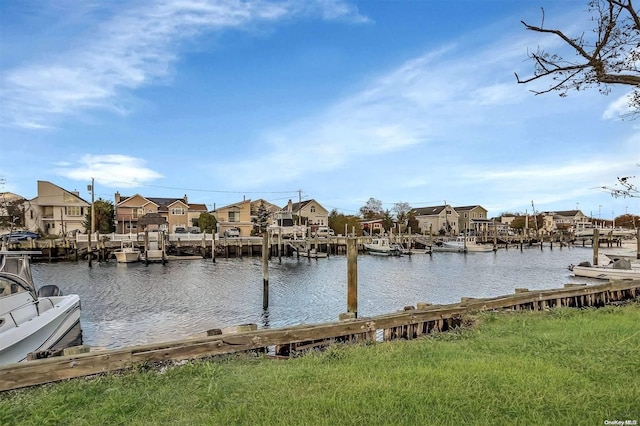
618 108
110 170
426 101
135 48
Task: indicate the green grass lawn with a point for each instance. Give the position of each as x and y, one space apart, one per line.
560 367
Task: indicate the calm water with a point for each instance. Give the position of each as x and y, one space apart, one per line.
134 304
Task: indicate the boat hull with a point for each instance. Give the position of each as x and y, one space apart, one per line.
57 327
126 257
606 273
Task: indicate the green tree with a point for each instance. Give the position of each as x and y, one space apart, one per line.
207 223
338 221
104 217
518 223
606 55
412 222
261 219
11 212
387 220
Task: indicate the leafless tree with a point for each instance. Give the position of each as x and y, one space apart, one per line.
609 54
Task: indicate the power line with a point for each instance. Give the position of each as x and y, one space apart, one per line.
219 191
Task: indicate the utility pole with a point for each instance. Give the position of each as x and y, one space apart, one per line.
299 204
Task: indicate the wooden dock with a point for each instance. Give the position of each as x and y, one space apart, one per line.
410 323
204 246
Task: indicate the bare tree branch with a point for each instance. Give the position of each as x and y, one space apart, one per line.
610 57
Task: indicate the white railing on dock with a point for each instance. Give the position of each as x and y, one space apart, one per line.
84 238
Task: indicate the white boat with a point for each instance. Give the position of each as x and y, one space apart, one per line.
33 320
467 244
381 247
621 269
127 253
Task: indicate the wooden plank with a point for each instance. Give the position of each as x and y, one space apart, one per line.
31 373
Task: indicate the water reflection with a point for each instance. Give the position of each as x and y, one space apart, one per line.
125 304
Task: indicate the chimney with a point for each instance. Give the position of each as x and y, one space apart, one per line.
289 206
186 200
117 197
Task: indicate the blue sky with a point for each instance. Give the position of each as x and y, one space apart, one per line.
404 101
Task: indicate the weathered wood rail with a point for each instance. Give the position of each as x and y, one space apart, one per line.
410 323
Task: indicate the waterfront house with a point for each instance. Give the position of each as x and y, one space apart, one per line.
373 226
473 219
236 215
316 215
129 209
437 219
56 211
566 220
177 212
241 215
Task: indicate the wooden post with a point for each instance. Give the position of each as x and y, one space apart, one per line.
352 276
638 243
213 245
146 246
280 248
265 269
495 237
596 237
89 251
430 237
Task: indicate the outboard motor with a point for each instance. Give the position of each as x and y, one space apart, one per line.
49 291
622 264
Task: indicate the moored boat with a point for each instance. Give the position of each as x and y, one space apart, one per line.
127 253
621 269
33 320
381 247
468 244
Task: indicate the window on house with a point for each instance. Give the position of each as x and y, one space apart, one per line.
177 211
74 211
313 209
234 216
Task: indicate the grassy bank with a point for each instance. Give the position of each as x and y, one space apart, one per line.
565 366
